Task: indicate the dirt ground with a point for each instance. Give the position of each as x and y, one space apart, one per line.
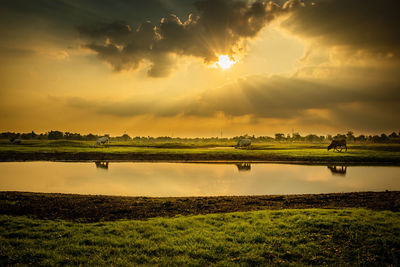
92 208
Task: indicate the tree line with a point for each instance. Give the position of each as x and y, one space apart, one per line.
349 137
280 137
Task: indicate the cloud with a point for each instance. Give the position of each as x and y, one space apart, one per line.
42 24
127 108
218 27
368 25
15 52
288 97
352 102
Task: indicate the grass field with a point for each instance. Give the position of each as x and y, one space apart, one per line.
350 237
274 151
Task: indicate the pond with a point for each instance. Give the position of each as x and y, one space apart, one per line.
193 179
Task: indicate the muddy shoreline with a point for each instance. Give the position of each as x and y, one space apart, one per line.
195 158
93 208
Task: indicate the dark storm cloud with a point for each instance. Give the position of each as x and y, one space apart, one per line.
56 13
216 28
56 20
369 25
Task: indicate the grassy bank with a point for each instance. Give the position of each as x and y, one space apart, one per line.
349 237
312 152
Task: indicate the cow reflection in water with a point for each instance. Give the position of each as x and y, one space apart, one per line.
243 166
102 165
338 170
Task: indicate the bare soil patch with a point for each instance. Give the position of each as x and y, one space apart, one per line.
91 208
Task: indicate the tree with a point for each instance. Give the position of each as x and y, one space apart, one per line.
339 137
384 138
350 136
361 138
126 137
296 137
91 137
312 138
54 135
376 138
279 136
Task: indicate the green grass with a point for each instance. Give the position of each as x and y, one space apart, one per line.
389 153
349 237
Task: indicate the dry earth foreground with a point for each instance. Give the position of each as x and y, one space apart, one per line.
93 208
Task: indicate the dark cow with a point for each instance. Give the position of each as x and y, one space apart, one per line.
338 170
338 145
102 164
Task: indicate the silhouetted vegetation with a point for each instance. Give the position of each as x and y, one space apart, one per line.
279 137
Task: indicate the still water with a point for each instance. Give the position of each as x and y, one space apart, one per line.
193 179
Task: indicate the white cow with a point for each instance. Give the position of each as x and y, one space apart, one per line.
102 141
243 143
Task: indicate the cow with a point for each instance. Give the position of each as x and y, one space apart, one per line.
243 166
243 143
102 141
15 141
102 164
338 170
338 145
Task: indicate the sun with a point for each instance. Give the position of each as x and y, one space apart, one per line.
224 62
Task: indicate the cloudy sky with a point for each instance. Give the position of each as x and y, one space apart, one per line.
196 68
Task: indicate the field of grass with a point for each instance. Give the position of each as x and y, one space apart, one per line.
349 237
197 151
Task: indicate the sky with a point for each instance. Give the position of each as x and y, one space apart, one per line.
200 68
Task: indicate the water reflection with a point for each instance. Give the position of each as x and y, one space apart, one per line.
243 166
339 170
192 179
102 165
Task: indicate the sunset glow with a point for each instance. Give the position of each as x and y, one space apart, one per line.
224 62
162 68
